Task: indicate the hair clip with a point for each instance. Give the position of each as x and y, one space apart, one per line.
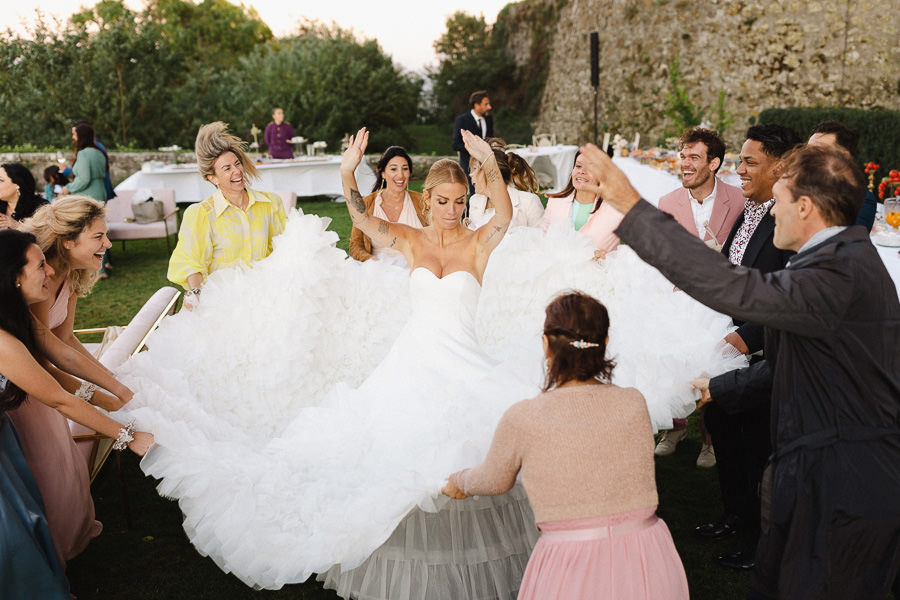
581 344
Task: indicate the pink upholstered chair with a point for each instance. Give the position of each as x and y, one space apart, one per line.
121 223
288 198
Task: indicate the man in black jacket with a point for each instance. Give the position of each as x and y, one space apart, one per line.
479 121
741 439
830 516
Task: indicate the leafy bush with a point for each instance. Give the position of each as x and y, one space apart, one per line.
879 130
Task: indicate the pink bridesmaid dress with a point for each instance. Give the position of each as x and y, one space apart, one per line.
58 467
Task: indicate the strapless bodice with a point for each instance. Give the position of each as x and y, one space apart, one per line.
453 297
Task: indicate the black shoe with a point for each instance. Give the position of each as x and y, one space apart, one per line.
727 525
742 560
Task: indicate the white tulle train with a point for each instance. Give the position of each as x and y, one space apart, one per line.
312 406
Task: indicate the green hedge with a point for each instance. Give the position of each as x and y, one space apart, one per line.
879 130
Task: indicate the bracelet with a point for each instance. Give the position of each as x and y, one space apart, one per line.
126 434
86 391
193 292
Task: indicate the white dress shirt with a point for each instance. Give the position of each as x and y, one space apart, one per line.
481 123
702 211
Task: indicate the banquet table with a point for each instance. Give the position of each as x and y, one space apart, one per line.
891 259
305 176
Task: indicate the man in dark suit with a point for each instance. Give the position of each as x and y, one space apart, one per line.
830 517
741 439
479 121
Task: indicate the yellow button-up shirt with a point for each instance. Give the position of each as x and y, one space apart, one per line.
215 234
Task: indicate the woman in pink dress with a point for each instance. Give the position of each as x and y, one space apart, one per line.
579 204
72 234
584 449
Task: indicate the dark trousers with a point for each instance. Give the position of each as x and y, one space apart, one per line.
743 445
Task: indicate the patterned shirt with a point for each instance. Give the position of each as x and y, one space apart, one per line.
216 234
753 214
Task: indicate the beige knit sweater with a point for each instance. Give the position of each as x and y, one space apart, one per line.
584 451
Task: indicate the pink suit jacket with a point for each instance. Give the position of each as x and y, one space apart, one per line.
600 226
727 207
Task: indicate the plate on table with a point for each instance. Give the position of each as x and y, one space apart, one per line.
889 238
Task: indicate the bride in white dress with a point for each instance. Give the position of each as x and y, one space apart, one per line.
307 413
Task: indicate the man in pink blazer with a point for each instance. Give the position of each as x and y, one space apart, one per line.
708 209
704 205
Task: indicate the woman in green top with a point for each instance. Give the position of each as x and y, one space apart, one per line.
90 166
89 170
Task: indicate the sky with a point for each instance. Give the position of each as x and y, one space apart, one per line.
405 29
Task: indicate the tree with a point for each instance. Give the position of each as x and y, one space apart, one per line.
329 84
469 60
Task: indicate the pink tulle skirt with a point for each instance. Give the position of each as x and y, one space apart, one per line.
628 556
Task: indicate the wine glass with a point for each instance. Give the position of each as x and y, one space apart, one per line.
892 212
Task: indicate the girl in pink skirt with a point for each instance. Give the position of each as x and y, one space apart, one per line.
584 448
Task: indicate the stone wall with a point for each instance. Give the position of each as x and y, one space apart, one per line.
763 54
123 164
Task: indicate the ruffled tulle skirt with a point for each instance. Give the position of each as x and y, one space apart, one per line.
301 412
475 548
629 556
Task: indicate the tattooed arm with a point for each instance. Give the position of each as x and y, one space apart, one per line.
382 233
490 234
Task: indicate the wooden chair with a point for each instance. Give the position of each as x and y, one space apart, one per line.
120 343
122 226
544 139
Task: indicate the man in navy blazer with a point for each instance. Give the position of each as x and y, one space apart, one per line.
479 121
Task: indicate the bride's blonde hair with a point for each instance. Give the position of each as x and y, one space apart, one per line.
445 170
64 220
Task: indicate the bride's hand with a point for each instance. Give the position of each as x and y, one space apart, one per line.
355 151
477 148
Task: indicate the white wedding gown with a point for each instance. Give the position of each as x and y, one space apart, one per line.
308 412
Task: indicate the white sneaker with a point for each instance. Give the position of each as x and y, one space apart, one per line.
707 457
668 439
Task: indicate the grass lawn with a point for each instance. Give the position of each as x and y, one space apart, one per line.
153 559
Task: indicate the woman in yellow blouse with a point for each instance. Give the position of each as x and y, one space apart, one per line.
235 225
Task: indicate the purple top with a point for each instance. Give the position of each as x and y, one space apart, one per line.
277 137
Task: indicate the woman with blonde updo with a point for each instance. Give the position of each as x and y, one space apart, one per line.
527 207
233 226
445 245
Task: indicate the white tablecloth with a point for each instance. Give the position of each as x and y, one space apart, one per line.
555 161
891 259
649 182
304 176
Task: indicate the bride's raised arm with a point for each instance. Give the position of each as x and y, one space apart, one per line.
384 233
491 233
